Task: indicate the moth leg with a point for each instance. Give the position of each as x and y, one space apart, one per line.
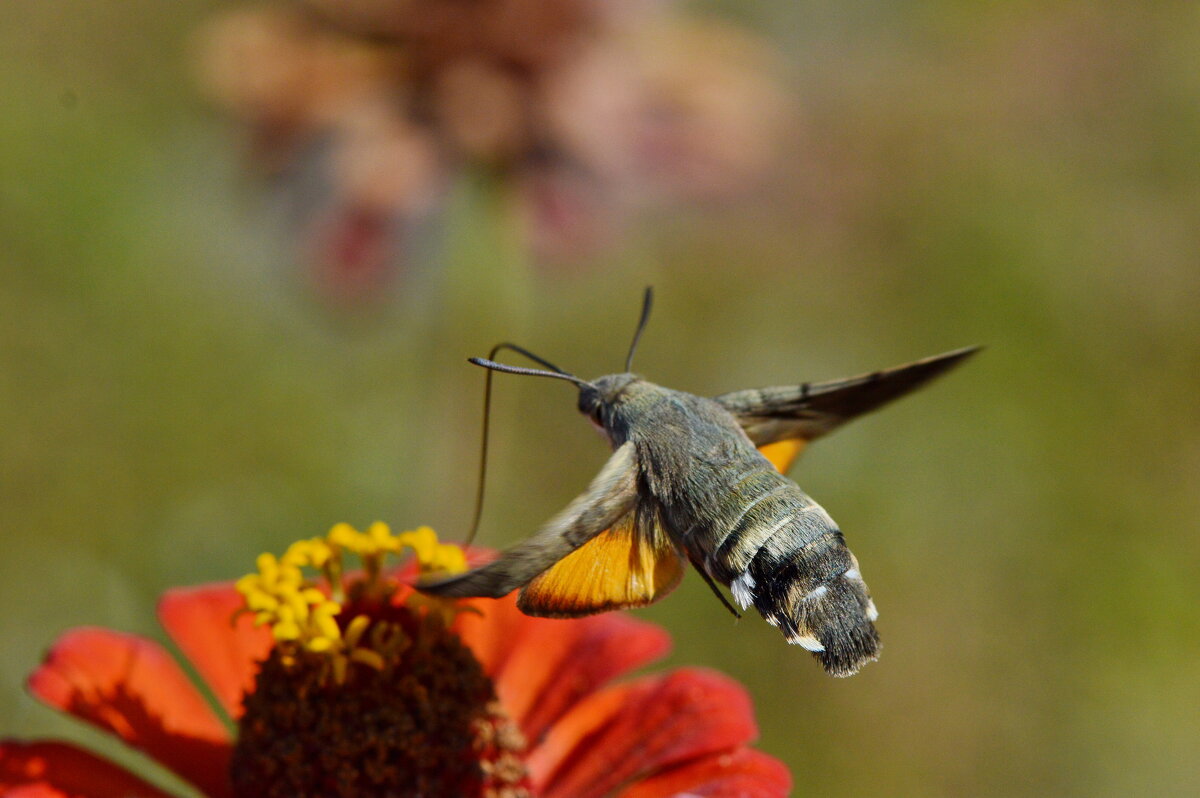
612 494
717 592
713 587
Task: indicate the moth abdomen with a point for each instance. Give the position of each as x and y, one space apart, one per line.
757 515
815 594
768 508
846 636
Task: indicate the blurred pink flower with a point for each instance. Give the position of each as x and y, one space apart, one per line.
586 110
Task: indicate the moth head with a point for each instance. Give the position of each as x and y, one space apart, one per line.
599 399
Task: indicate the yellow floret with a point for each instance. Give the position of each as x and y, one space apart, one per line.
433 557
283 597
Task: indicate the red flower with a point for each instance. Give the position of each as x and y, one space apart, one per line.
680 733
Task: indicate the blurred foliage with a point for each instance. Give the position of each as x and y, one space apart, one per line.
173 400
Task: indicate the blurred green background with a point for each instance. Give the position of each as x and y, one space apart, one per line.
1024 175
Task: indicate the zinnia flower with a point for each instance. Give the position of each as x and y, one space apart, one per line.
352 684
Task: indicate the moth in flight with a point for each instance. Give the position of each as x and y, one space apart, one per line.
700 480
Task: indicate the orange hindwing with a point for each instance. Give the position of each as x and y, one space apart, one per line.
783 453
624 566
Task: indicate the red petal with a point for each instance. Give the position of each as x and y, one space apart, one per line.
492 632
224 649
59 770
744 773
628 732
542 667
131 687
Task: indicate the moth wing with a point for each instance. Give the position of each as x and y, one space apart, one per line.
632 564
783 453
782 420
611 496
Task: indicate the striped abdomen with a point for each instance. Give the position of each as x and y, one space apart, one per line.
780 551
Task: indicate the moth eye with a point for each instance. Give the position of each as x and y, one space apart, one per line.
591 407
594 412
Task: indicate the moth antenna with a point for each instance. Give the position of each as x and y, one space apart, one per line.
647 301
494 366
481 482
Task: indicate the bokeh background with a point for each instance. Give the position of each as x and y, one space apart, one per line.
178 392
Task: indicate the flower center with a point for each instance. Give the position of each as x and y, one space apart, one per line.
369 696
426 724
